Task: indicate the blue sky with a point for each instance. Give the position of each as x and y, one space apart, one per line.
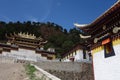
62 12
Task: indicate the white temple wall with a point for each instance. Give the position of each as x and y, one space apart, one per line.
79 55
107 68
24 54
40 58
87 57
74 54
5 53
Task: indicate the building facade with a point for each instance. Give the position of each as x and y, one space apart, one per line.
77 54
25 47
103 41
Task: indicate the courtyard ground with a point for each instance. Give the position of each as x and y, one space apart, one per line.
12 71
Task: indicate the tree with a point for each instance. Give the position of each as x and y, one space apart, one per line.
67 45
57 37
65 31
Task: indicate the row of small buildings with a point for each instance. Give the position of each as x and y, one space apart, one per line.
77 54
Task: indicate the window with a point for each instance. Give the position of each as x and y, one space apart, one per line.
84 54
108 49
75 52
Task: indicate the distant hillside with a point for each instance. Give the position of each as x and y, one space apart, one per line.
58 38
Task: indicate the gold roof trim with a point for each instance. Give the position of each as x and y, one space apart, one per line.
26 35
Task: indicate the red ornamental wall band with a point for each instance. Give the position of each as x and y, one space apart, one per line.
105 41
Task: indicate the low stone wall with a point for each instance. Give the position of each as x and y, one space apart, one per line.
61 66
64 75
68 70
44 75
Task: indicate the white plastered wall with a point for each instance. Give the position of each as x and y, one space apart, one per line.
79 55
24 54
107 68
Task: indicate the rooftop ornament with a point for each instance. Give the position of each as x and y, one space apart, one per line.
84 37
97 39
81 26
116 29
30 36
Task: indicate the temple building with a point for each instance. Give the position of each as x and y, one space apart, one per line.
77 54
26 47
25 40
102 39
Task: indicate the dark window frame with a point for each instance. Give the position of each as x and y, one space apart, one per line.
107 53
75 52
84 54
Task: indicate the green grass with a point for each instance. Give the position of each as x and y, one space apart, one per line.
30 72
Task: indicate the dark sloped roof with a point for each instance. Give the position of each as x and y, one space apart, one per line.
73 49
88 28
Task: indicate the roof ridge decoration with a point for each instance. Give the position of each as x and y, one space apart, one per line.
116 29
84 37
80 25
98 38
30 36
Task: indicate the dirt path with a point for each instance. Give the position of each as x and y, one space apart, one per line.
10 71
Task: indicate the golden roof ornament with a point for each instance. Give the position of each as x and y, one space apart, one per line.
30 36
116 29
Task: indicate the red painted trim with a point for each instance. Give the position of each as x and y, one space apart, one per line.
106 41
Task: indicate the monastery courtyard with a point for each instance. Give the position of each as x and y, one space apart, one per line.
10 71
